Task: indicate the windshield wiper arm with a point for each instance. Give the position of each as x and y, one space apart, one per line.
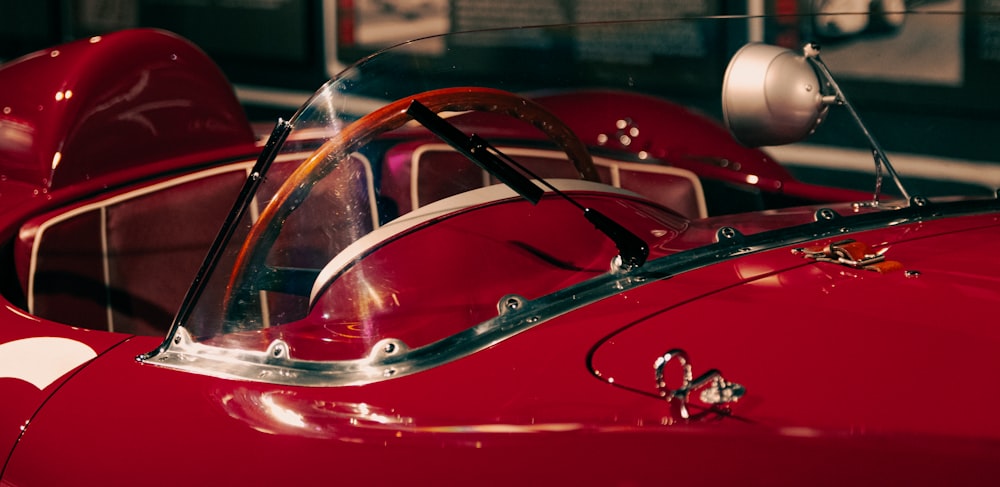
476 149
632 250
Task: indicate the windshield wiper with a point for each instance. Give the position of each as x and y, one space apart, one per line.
632 250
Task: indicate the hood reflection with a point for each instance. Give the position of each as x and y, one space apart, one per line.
288 413
285 412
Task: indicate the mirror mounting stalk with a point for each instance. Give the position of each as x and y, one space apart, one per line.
811 52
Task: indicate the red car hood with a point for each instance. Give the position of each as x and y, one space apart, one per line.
822 348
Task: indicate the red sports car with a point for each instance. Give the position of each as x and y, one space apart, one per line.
486 263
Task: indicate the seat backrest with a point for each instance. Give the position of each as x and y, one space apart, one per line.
673 187
123 263
416 174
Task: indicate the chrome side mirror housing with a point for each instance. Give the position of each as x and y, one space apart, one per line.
772 96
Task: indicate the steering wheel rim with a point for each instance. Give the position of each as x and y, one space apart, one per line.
250 260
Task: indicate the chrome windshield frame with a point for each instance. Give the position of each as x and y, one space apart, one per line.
391 358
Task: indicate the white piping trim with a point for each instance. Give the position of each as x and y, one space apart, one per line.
616 166
246 166
61 217
369 186
106 267
612 165
265 314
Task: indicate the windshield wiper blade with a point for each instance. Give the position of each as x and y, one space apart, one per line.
477 150
632 250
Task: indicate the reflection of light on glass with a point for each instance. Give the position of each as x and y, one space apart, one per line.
95 39
800 432
64 95
769 281
758 273
15 136
55 160
373 295
367 413
752 179
505 428
282 414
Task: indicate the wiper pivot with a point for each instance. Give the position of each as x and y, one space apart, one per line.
632 249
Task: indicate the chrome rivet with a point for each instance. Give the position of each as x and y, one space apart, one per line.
509 303
826 214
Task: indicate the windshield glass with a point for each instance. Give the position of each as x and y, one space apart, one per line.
369 231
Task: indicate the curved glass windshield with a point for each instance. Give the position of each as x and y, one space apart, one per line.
387 217
369 226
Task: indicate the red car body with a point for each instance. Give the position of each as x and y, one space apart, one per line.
853 373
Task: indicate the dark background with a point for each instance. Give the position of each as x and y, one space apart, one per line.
293 46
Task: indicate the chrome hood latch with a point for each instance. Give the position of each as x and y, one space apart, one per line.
714 391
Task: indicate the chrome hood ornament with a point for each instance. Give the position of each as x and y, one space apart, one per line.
713 390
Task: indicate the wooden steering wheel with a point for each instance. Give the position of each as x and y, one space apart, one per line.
249 271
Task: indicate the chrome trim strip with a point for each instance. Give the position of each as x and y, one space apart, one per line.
391 358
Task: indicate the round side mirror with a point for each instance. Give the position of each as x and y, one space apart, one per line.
771 96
